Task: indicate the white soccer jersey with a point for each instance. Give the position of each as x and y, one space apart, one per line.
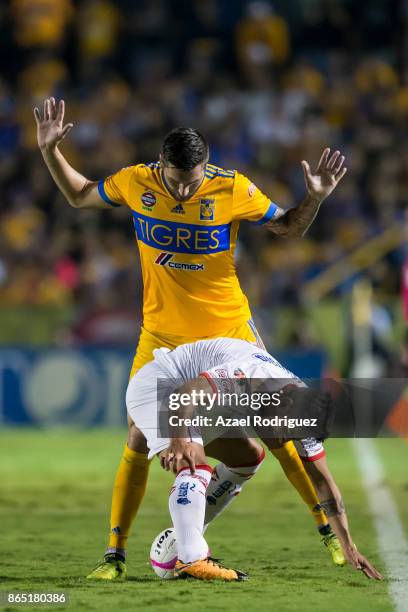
220 360
188 361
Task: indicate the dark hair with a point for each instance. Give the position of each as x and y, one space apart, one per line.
184 148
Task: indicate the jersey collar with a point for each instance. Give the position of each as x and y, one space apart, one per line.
166 187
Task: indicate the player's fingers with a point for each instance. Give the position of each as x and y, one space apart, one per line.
370 571
177 463
332 161
323 159
191 463
46 110
339 164
61 111
53 108
168 458
37 116
339 176
66 129
306 169
353 560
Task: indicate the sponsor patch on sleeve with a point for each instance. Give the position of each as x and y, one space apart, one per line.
251 190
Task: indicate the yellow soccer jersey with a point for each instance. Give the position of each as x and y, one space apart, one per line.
187 248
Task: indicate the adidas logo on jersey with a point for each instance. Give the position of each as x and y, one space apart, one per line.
178 209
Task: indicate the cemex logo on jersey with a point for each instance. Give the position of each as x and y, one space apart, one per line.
164 259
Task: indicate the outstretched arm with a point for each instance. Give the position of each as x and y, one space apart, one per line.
332 503
78 190
319 185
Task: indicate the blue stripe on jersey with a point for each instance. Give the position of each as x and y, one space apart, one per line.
103 194
212 167
216 171
268 215
215 174
177 237
152 165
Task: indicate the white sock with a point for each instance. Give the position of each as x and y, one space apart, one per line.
187 508
226 483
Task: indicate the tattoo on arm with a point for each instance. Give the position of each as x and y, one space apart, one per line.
297 220
332 507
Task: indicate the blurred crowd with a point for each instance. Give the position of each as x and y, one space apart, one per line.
268 83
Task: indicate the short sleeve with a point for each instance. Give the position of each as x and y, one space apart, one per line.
114 190
249 203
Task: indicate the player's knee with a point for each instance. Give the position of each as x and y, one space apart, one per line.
255 451
136 440
247 452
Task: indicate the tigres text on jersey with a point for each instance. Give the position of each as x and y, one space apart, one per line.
187 248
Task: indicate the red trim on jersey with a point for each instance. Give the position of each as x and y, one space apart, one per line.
205 467
314 457
210 380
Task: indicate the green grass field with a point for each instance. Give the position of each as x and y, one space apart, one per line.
54 507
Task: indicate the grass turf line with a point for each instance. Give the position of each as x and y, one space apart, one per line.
54 505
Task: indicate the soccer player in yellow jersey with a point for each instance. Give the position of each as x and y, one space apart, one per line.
186 214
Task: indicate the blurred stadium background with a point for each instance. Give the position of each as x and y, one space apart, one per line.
269 83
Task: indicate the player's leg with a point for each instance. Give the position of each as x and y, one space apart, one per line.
295 472
130 482
187 506
240 459
187 499
128 493
313 456
128 490
187 503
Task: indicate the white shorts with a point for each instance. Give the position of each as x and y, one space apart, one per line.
310 449
142 406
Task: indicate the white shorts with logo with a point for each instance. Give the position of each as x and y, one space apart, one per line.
142 406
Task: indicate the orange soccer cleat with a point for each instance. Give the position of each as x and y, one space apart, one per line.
207 569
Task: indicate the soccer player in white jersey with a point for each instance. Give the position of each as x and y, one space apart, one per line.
205 366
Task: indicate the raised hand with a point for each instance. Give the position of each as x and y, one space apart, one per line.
51 129
327 175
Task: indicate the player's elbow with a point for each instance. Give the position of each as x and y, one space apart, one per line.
74 202
285 230
84 198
